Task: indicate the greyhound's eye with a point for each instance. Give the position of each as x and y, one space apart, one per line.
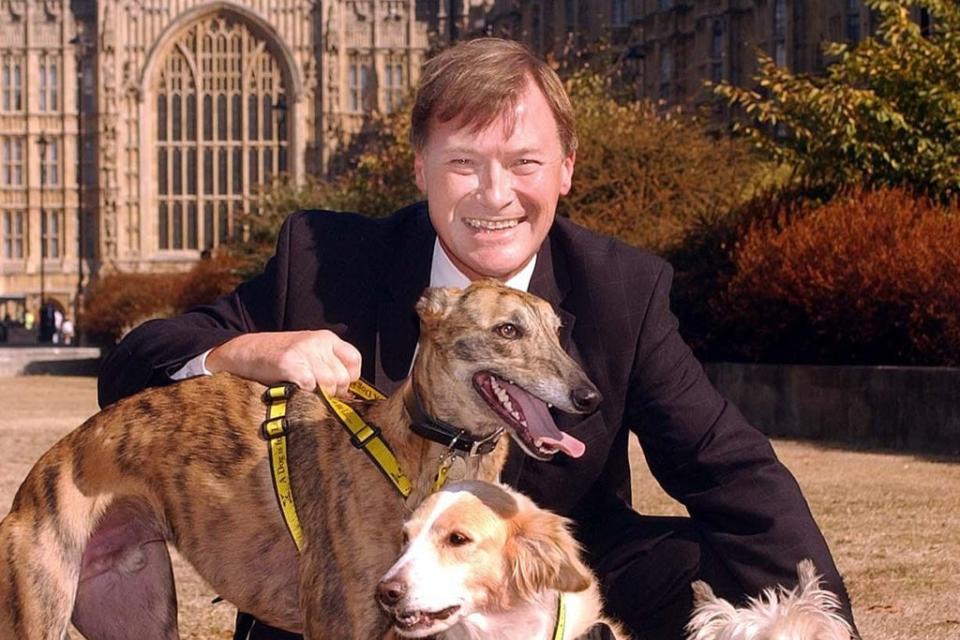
508 330
457 539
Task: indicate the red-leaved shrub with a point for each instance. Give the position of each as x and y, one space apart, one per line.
118 302
870 277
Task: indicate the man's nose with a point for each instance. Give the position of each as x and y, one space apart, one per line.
496 187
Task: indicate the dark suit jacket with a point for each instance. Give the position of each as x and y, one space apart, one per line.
360 277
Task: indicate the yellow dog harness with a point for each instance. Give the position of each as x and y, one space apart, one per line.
363 436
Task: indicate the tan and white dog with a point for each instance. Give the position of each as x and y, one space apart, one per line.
483 561
806 612
86 538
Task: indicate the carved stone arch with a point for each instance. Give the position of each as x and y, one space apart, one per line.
254 21
219 113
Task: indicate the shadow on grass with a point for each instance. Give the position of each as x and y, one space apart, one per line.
938 457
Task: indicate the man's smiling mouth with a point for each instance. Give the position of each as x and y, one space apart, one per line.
492 225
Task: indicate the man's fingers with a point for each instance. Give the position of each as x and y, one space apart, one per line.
350 357
332 376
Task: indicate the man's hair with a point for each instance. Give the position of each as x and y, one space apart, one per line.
479 80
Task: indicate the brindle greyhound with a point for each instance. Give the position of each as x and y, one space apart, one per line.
86 537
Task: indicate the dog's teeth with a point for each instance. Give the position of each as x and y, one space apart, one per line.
549 406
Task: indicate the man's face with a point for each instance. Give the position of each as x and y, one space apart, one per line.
493 194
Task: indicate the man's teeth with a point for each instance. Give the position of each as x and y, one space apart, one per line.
491 225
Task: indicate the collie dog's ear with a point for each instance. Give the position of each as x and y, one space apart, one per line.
544 554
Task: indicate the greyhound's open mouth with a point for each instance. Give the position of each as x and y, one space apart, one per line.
528 417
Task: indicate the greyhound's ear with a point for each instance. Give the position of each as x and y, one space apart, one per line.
436 303
545 554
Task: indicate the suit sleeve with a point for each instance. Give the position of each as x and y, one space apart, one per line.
150 353
742 500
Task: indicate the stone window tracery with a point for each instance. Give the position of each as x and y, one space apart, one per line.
221 131
12 163
51 224
358 84
13 231
51 163
394 88
49 83
11 79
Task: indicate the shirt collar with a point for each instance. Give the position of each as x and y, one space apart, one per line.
443 273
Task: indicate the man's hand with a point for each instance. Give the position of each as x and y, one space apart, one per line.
309 359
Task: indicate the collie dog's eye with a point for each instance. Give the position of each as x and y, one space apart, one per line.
508 330
457 539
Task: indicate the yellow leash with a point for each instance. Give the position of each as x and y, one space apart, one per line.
366 437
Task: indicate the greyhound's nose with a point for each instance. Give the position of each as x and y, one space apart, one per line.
586 399
389 592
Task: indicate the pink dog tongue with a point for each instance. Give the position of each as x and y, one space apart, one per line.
540 423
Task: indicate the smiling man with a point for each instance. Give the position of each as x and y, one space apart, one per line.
493 132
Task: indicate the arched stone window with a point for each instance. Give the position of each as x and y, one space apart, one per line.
221 131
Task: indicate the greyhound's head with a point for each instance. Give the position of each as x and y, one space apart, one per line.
490 357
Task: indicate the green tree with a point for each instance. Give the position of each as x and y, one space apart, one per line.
887 111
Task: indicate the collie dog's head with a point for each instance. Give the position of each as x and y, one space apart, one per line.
477 549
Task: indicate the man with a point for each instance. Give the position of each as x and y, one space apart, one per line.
495 147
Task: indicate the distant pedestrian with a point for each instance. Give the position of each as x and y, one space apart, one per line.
28 320
57 325
66 330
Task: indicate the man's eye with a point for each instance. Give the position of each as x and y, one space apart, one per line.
525 166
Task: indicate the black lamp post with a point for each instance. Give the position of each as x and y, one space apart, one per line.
42 143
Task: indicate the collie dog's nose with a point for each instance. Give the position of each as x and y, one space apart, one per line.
585 399
389 592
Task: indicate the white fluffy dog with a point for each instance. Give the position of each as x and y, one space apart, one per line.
806 612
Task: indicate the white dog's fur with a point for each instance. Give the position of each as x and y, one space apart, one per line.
483 561
806 612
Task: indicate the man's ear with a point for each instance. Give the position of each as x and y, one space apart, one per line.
544 554
436 303
566 175
418 172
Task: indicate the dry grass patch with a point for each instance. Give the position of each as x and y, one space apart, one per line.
891 519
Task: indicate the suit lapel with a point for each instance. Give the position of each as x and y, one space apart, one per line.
406 276
550 281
